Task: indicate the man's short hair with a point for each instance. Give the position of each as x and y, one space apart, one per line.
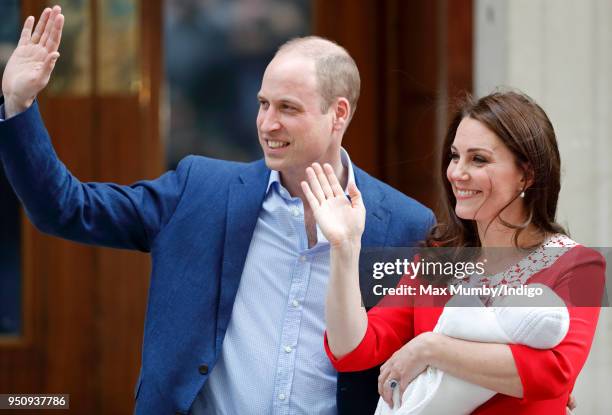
336 71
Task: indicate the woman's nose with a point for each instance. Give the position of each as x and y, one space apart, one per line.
459 172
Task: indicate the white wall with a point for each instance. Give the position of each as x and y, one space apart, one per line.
560 53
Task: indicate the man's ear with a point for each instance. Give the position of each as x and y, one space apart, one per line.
342 114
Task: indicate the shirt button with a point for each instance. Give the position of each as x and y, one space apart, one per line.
288 349
203 369
295 211
281 396
302 258
295 303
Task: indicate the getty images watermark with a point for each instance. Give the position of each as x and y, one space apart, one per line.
460 270
431 276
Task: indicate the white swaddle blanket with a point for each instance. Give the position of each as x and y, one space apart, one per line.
435 392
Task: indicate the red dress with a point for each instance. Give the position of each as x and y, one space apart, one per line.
548 376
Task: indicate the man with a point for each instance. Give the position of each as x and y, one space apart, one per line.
227 239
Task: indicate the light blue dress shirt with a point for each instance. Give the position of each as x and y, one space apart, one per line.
272 359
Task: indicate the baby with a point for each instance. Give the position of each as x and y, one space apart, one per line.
509 320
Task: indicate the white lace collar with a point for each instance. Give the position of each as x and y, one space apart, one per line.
541 258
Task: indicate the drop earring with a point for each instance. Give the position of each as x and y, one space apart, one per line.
522 195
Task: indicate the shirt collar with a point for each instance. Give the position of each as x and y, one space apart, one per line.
344 159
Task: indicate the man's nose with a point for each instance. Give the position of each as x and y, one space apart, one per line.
269 121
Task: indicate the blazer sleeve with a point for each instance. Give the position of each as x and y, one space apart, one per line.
390 326
96 213
547 374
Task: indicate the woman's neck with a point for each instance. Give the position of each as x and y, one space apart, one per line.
498 235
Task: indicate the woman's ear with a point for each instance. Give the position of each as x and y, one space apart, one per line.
528 176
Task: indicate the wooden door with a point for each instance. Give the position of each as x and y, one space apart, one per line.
83 308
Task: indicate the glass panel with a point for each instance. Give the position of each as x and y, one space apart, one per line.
72 73
118 46
215 54
10 234
9 30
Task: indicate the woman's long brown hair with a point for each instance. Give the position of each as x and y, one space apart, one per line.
523 126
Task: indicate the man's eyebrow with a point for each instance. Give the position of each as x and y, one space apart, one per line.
290 101
283 100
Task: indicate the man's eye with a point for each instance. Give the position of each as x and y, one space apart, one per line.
263 104
287 107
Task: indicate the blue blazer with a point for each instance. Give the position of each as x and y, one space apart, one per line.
197 223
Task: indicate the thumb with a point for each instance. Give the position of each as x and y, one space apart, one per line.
355 195
49 63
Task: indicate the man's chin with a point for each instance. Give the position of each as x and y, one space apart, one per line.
273 164
284 166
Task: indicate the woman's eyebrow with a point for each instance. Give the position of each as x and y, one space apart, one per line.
474 149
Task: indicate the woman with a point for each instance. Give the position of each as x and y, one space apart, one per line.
502 166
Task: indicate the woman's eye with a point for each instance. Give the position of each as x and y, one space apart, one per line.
479 160
454 156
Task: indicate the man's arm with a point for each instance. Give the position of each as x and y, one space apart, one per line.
58 203
55 201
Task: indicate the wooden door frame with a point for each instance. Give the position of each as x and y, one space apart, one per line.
414 57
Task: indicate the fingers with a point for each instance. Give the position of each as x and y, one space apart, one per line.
388 393
315 186
310 197
324 183
401 389
40 26
354 194
53 41
381 379
571 402
49 64
327 190
333 180
384 389
26 32
49 26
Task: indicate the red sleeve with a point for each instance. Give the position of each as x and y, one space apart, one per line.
546 374
390 326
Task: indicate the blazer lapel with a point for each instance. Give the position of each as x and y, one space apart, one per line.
375 233
377 216
245 198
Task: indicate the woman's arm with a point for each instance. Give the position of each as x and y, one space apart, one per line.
489 365
486 364
345 315
354 340
515 370
342 221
